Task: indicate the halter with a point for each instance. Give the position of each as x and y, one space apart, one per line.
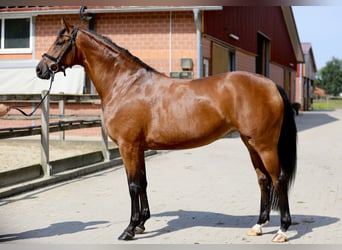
58 60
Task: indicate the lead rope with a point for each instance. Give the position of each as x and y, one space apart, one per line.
19 108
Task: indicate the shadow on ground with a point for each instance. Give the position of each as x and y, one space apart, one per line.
303 224
312 119
69 227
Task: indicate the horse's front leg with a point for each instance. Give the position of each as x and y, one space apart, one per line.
144 207
133 159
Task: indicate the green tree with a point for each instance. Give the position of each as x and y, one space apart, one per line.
329 77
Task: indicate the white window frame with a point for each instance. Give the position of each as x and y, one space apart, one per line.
16 50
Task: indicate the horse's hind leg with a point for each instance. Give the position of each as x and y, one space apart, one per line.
273 185
265 205
279 193
281 188
264 181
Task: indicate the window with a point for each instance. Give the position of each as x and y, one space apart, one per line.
232 59
15 35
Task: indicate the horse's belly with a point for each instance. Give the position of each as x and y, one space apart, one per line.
188 136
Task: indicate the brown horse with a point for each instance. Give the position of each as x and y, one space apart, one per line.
144 109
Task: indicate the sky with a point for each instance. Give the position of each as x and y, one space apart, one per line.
322 27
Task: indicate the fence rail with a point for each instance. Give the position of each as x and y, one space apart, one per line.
6 133
53 98
46 127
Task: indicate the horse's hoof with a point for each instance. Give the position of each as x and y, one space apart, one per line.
139 229
126 236
255 231
280 237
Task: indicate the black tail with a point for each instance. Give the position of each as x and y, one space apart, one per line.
287 147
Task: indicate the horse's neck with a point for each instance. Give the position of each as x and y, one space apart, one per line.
103 65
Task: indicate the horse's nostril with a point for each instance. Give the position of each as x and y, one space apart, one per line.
42 72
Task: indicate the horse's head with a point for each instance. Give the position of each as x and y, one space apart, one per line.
60 55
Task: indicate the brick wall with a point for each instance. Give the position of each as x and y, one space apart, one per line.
206 47
292 96
298 97
277 74
47 28
145 34
245 61
15 56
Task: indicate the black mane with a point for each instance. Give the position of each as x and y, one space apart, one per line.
123 50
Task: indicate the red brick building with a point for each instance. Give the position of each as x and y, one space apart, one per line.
306 73
209 39
260 39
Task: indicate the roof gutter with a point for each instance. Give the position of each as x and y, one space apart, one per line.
36 12
292 29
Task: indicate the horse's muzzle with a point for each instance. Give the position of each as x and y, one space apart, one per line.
43 71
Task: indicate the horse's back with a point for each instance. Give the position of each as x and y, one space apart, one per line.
244 93
197 112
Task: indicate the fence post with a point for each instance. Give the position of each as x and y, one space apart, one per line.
44 137
61 109
105 149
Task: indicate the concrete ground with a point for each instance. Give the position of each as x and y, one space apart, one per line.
199 196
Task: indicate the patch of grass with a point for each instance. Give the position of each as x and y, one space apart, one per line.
327 104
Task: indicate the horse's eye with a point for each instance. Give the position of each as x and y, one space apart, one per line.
59 43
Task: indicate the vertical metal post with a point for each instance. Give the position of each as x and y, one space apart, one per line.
170 43
44 137
105 148
198 22
61 109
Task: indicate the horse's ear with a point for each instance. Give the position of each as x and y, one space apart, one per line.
66 25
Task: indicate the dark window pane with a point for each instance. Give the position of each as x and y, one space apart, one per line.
17 33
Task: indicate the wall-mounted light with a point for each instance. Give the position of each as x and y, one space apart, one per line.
291 64
235 37
186 63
